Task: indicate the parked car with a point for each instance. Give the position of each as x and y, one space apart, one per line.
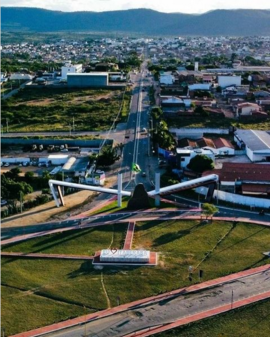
6 164
3 202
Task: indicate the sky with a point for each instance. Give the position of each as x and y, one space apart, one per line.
166 6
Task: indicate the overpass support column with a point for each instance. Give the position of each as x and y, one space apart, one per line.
157 189
53 194
60 195
119 194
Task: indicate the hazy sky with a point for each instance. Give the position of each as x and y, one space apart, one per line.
183 6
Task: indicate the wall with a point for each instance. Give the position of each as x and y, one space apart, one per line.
95 143
87 80
242 200
197 132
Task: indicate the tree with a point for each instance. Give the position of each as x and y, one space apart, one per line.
13 173
209 210
107 156
200 110
201 163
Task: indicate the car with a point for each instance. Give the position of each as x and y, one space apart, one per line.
3 202
6 164
143 174
162 162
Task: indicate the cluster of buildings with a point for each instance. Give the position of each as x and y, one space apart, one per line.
203 48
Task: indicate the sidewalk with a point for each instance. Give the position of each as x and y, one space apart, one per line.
153 299
47 256
129 236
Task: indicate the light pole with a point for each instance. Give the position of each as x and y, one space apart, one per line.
7 124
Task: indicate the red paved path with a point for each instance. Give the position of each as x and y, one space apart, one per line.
47 256
129 236
124 307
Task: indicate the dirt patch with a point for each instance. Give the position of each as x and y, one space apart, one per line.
49 211
77 203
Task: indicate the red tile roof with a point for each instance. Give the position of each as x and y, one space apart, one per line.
242 171
256 188
222 142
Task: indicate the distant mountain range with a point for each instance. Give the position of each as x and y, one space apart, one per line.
241 22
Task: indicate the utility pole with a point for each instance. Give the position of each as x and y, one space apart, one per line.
21 200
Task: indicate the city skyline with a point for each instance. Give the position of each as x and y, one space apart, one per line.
170 6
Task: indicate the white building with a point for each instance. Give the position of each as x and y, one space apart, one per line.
184 156
226 81
255 142
69 68
58 159
166 79
200 86
246 109
21 77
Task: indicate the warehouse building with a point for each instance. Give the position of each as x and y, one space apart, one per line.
95 79
256 143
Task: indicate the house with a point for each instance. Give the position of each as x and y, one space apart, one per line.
219 146
256 144
246 109
184 156
244 178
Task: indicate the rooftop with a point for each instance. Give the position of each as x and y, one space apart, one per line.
254 139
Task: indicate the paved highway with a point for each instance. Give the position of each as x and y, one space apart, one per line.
164 311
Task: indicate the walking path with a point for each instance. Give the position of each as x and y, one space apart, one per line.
166 296
129 236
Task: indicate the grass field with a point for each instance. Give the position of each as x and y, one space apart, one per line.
54 109
251 321
210 122
219 248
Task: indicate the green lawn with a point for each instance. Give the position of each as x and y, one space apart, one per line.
250 321
75 242
210 122
219 248
37 309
